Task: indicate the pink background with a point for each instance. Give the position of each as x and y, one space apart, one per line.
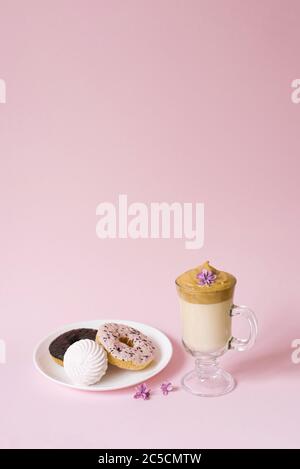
164 101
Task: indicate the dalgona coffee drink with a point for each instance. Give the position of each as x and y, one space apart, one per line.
206 298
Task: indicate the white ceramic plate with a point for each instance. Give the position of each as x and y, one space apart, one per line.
115 378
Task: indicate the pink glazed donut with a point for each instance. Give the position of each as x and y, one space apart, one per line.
126 347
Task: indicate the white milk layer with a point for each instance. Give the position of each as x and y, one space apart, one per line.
206 328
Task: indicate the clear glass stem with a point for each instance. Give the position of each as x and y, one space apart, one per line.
206 367
207 379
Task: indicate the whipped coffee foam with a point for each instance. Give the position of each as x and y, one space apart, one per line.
221 289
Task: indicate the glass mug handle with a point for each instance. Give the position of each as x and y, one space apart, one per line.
244 344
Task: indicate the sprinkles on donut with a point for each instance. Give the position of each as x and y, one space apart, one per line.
126 347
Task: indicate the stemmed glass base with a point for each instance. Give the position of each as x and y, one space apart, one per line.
208 379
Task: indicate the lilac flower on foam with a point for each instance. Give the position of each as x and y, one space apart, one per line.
206 277
142 392
166 388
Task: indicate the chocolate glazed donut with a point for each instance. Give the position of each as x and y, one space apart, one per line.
59 346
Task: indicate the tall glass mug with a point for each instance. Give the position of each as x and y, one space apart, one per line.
207 309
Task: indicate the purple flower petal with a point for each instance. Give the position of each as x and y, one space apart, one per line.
206 277
166 388
142 392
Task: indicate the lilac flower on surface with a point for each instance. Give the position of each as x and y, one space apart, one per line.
206 277
142 392
166 388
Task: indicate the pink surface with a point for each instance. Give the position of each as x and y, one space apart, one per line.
163 101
